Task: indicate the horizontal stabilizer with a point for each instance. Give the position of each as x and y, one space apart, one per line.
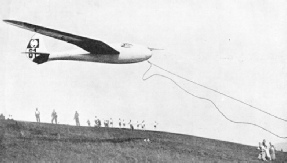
36 53
38 57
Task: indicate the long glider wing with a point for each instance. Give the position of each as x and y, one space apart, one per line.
90 45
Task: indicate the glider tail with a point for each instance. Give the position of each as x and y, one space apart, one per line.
36 49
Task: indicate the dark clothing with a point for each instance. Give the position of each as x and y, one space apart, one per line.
54 117
98 123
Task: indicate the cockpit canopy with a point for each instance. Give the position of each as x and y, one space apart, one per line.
126 45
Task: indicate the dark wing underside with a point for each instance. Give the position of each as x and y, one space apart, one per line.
90 45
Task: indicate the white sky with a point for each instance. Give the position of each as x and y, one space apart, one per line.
236 47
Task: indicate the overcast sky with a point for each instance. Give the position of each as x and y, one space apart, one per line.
236 47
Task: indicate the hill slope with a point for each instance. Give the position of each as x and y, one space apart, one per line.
34 142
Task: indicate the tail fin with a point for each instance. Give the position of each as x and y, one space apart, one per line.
36 49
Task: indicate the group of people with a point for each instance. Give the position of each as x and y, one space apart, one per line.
266 153
122 124
98 122
10 117
54 117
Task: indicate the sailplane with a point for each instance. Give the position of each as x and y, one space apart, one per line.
90 50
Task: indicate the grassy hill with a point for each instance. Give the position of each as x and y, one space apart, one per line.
42 142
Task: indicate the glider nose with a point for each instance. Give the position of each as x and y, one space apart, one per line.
148 56
151 50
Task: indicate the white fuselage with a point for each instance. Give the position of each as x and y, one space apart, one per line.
128 53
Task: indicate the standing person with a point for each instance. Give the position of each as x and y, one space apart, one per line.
111 122
54 116
120 123
143 125
272 152
131 125
155 124
106 123
261 155
89 123
76 117
96 121
265 147
99 123
138 125
124 125
37 114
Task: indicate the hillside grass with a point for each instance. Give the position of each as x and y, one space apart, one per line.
42 142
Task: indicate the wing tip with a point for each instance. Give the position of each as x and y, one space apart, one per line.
13 22
9 21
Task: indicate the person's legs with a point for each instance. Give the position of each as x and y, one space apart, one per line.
263 156
260 156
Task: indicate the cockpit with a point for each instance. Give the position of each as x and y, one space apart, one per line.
126 45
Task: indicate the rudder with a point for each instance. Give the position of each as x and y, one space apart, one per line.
36 49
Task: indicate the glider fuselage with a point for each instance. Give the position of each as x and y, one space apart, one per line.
127 54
